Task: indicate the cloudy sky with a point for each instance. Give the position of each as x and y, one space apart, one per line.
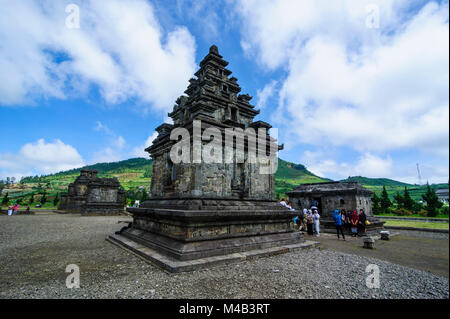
354 87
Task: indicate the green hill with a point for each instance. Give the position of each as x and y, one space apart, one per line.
289 175
375 181
393 186
136 172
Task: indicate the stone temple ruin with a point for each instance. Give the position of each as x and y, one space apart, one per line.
335 195
201 213
91 195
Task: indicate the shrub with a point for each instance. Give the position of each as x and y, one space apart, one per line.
402 212
444 210
422 213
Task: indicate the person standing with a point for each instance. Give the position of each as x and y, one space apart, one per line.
309 223
338 223
362 222
343 217
355 220
304 219
10 210
316 221
15 208
348 220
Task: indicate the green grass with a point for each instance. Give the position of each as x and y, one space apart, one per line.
415 216
416 224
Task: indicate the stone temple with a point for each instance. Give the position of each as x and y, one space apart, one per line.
201 212
335 195
91 195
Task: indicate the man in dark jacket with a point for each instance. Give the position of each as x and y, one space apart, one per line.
338 223
362 222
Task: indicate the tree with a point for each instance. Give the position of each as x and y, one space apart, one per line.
144 196
2 186
399 200
444 210
385 202
5 199
376 204
408 202
147 173
31 199
417 207
43 199
433 202
56 200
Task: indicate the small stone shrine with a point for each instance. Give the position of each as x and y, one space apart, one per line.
202 212
91 195
329 196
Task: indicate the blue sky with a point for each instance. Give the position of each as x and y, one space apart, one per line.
354 87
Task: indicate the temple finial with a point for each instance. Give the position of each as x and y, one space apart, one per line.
214 49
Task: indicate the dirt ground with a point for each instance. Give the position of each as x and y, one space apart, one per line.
36 249
419 250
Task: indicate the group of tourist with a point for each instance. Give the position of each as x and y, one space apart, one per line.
352 221
13 209
309 220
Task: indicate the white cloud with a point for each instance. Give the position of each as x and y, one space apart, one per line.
114 151
102 128
263 95
374 166
40 157
370 165
208 11
120 48
367 164
116 148
111 153
139 151
372 90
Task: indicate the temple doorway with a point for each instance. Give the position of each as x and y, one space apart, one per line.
318 202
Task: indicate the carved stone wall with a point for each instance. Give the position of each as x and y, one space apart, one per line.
89 194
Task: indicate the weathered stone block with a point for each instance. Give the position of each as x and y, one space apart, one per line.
384 235
368 242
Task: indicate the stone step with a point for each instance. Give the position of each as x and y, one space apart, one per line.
175 266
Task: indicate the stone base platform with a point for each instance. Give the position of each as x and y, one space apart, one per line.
175 266
119 212
201 231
